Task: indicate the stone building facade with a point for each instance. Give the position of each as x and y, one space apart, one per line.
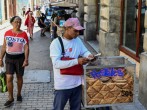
120 28
143 68
8 9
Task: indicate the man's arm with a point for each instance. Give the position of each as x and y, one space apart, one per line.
55 54
3 51
26 52
42 22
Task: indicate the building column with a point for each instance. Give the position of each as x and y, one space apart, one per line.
90 19
2 11
109 33
74 1
143 78
32 5
80 9
143 69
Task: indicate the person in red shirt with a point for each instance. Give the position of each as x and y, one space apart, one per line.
16 51
29 22
29 10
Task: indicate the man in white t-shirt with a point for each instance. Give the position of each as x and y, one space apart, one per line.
68 87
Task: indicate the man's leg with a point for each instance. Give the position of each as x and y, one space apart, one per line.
9 79
19 84
44 30
61 98
75 99
19 75
41 31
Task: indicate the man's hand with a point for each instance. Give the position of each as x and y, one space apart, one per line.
1 63
25 63
91 57
83 61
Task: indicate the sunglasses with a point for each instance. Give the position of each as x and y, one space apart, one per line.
17 22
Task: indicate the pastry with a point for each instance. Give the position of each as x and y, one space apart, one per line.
91 94
111 85
127 86
105 88
115 89
104 79
97 83
90 89
120 85
98 96
108 95
91 82
97 88
119 79
103 92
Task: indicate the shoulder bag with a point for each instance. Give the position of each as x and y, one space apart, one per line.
74 70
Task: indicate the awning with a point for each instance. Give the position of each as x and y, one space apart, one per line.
64 4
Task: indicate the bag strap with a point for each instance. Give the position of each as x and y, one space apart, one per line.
62 46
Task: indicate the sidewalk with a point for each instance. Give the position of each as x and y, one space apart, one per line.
4 25
38 95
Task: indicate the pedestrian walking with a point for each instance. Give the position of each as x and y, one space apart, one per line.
42 25
16 49
29 22
23 11
38 13
68 86
55 24
29 10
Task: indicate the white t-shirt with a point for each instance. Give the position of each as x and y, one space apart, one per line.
73 48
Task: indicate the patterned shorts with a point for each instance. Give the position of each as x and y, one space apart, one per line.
14 65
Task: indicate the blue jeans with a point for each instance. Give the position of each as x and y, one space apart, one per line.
74 96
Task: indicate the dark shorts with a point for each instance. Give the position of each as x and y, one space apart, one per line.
14 64
41 26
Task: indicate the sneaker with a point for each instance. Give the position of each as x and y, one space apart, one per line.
19 98
9 103
31 38
43 34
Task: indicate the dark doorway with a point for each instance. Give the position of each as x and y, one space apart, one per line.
5 7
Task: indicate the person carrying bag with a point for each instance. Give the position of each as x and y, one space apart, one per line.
68 66
74 70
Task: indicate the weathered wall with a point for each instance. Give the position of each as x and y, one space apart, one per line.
109 27
80 9
143 70
90 19
143 79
